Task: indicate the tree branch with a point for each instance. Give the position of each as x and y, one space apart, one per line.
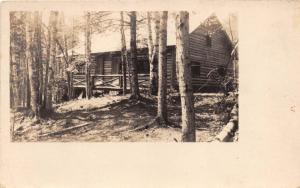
62 51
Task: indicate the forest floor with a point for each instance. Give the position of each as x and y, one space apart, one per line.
113 119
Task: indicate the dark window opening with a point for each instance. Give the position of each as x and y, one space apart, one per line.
115 66
143 67
208 40
195 71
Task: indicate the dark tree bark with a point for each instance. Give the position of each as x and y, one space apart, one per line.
162 69
18 63
123 54
135 93
27 87
184 77
88 55
39 55
14 65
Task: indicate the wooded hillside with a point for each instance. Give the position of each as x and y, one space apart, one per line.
153 85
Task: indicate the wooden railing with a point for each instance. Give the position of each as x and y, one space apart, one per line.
79 80
109 82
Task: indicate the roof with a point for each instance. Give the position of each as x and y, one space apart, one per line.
111 41
211 25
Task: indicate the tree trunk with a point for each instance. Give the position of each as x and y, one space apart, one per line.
71 91
88 55
153 51
45 91
14 65
32 65
184 77
123 54
53 37
28 93
129 69
135 93
150 53
39 55
162 69
67 65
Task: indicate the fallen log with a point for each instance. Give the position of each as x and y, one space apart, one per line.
227 132
229 129
147 126
64 130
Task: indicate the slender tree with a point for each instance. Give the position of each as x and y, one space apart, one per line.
32 64
14 64
52 55
123 53
71 91
39 55
162 69
63 45
184 76
67 63
153 51
48 45
88 55
135 93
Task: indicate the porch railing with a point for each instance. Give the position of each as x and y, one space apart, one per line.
109 82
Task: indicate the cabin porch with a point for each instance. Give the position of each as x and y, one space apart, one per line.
109 82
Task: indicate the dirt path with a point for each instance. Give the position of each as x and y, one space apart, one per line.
110 119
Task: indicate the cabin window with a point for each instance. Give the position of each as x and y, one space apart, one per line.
208 40
143 67
115 65
195 70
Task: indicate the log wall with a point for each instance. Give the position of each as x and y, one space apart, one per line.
208 56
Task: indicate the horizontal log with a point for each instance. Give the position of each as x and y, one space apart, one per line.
64 130
228 131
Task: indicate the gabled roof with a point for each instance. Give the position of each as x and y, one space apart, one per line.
211 25
110 41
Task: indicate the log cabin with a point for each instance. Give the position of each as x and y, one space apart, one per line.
210 49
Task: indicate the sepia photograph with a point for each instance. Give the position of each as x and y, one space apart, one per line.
123 76
149 94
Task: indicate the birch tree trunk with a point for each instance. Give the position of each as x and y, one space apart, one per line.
153 51
53 37
28 57
184 77
135 93
88 55
32 65
123 53
162 69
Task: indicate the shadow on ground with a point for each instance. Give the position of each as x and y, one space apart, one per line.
112 119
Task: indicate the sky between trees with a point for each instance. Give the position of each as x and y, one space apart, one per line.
109 40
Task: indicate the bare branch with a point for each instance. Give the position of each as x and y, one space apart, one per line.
62 51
